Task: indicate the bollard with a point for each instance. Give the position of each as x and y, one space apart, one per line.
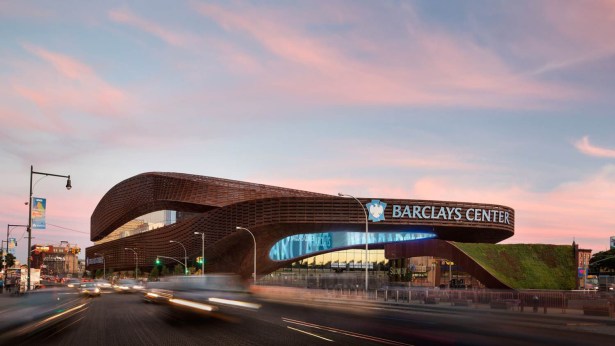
396 296
386 295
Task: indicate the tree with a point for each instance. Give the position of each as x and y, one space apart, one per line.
178 269
10 260
165 270
603 260
154 273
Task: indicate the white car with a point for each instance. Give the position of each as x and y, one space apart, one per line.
128 286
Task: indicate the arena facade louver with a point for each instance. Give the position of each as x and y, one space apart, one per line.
288 224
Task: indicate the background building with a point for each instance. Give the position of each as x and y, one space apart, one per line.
56 259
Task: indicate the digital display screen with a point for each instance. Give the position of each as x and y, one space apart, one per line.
301 245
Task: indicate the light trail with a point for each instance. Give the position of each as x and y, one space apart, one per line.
345 332
308 333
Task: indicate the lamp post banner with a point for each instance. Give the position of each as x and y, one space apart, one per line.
39 205
12 245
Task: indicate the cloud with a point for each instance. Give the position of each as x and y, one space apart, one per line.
573 209
171 37
73 86
586 148
427 66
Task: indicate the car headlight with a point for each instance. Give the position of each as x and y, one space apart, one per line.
137 287
96 290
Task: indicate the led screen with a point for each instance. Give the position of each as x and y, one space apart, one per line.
301 245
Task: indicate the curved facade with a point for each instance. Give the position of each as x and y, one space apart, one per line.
274 215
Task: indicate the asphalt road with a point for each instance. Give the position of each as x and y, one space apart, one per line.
124 319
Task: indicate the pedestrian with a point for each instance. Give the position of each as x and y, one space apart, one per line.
535 303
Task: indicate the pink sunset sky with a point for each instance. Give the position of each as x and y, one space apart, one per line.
480 101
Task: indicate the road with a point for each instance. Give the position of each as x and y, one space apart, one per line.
124 319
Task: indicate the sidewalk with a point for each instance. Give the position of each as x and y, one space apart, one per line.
286 294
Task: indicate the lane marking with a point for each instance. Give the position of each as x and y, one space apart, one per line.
308 333
344 332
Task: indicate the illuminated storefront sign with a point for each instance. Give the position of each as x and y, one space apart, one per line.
300 245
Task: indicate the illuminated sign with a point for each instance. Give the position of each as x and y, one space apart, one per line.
431 212
40 248
376 210
301 245
95 260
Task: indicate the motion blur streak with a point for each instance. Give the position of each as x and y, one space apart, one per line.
344 332
192 304
235 303
60 314
308 333
154 295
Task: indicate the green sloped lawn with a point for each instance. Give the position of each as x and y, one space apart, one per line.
526 266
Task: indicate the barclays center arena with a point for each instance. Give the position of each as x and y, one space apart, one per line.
289 235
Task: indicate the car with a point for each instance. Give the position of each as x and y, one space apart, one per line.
103 284
203 294
73 283
128 286
89 289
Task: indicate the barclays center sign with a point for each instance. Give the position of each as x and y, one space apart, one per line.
377 209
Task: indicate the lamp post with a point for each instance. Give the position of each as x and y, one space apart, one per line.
185 256
104 264
253 238
136 260
8 231
68 187
203 251
366 238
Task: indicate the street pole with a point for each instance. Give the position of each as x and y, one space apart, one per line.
366 238
253 238
203 251
68 187
136 261
185 256
8 230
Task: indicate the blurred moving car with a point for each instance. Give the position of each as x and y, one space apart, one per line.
103 284
128 286
90 289
202 294
73 283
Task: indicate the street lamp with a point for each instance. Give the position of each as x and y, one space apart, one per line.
253 238
8 230
104 264
203 251
366 238
136 260
185 256
68 187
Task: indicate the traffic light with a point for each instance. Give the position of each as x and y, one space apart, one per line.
199 260
157 261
